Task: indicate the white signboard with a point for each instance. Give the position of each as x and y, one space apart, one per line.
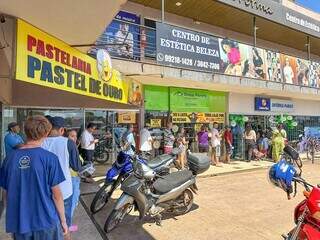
279 105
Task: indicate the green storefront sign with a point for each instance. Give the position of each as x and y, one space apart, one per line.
196 100
183 99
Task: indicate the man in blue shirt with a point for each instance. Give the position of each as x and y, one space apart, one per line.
12 140
30 177
129 142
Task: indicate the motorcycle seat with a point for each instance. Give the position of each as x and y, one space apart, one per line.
167 183
159 160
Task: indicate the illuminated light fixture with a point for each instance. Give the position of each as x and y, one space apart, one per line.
178 4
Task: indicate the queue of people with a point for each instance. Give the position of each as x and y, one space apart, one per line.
44 169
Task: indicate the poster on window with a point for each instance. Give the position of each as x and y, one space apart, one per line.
135 96
273 66
126 117
289 69
303 72
193 117
241 60
121 38
314 74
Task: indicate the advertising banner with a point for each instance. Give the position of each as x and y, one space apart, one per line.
262 104
135 96
122 36
194 117
303 72
273 66
181 47
242 60
161 94
314 74
47 61
289 69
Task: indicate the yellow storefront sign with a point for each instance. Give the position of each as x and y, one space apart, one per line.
47 61
192 117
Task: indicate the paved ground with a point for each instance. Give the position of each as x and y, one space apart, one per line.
236 206
241 205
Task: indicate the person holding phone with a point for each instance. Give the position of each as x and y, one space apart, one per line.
88 143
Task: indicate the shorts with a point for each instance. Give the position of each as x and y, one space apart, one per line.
54 233
203 148
228 149
168 149
215 151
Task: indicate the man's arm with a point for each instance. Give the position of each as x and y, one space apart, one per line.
74 159
58 201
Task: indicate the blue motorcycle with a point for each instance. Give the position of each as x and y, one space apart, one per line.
122 168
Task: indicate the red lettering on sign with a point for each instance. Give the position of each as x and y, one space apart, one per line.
32 42
49 51
40 48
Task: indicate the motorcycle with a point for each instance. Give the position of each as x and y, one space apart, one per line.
152 195
122 168
287 174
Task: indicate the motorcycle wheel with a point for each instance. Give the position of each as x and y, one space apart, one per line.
116 217
102 157
101 198
186 200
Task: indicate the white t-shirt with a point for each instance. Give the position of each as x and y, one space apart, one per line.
86 139
145 140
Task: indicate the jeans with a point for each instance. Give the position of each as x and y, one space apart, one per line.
54 233
88 155
76 193
68 210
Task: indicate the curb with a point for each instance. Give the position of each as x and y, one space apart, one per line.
233 172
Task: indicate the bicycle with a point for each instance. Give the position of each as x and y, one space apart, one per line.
313 146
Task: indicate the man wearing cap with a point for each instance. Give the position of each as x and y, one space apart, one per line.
12 140
68 156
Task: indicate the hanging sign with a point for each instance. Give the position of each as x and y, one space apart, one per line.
155 123
126 117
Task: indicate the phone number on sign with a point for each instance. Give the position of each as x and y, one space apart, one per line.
191 62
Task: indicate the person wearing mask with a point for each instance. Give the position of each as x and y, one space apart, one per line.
145 140
203 140
228 138
88 142
30 177
72 135
168 139
182 145
129 143
12 140
250 139
215 142
68 156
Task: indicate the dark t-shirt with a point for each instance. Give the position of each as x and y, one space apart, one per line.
28 176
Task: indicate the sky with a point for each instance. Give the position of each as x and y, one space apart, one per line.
311 4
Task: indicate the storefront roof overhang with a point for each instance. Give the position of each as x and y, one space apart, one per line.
214 12
76 22
31 95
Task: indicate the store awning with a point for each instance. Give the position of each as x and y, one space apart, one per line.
225 16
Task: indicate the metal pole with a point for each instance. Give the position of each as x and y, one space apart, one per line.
254 32
162 11
309 47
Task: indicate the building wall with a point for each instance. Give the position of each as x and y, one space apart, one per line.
244 104
155 14
6 53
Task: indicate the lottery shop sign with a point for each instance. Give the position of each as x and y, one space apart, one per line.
47 61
